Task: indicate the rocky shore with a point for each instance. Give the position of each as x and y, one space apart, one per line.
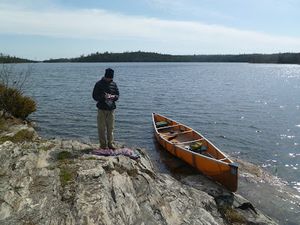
60 182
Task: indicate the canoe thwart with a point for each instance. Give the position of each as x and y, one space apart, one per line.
180 133
160 128
189 142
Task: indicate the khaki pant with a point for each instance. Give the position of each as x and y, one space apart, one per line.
106 121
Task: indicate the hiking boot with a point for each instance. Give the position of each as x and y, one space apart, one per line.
112 146
103 146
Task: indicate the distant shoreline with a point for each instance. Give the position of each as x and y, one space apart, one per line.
106 57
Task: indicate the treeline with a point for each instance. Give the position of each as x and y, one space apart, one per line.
284 58
139 56
12 59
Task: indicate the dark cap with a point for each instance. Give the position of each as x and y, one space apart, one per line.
109 73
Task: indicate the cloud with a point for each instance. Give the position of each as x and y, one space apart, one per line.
188 8
185 37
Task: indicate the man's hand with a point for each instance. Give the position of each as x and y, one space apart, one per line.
109 96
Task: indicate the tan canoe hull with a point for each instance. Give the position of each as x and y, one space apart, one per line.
214 163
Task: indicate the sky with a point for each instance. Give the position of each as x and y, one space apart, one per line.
43 29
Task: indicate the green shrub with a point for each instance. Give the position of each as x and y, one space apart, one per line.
13 102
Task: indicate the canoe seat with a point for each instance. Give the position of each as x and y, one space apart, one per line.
188 142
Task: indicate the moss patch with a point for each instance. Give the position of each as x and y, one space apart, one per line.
66 176
24 135
232 216
46 147
3 125
64 155
21 136
68 169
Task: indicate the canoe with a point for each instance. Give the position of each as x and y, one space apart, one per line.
193 148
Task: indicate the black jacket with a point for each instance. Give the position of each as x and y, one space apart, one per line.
102 87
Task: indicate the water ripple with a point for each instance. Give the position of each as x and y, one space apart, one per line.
245 109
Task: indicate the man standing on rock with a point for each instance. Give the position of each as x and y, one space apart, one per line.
106 93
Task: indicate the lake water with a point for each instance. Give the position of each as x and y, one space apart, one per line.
251 111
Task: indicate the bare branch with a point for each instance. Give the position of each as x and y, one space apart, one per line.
10 77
